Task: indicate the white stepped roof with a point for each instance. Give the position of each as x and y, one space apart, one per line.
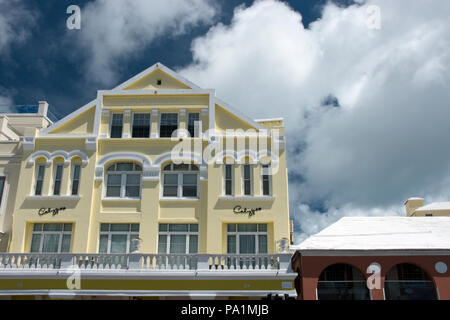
382 233
435 206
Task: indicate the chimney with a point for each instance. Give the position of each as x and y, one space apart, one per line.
43 108
412 204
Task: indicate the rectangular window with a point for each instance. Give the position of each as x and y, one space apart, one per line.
2 188
266 180
178 238
141 125
193 124
180 180
169 123
57 181
247 238
51 237
40 171
116 125
228 179
117 237
247 177
76 171
123 180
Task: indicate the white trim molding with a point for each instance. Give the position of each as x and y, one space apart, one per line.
67 156
124 156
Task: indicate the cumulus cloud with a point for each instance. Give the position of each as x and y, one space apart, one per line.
114 29
15 23
385 134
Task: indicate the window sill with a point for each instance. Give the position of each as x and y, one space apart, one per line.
122 199
53 198
247 198
170 199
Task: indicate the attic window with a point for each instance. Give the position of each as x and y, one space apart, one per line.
158 82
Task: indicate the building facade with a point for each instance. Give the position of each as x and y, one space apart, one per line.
161 175
415 208
376 258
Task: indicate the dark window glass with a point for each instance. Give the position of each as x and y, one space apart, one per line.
192 118
39 180
58 177
247 180
2 186
266 181
116 125
228 179
76 179
141 125
169 123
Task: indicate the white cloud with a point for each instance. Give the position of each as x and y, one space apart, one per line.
114 29
15 23
389 138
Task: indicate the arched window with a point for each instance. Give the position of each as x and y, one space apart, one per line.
123 180
408 282
180 180
342 282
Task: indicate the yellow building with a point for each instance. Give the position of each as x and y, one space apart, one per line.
158 180
415 208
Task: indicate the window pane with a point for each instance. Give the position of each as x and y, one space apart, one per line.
181 167
189 179
194 167
247 244
178 243
65 245
231 227
51 243
35 243
228 172
133 179
193 244
104 227
53 227
41 170
37 227
262 227
170 191
132 191
228 188
167 167
118 243
67 227
266 188
103 245
57 187
247 188
75 185
246 171
120 227
162 244
246 227
125 166
163 227
141 125
171 179
193 227
169 123
113 191
178 227
135 227
262 244
231 244
189 191
114 179
38 191
193 117
58 172
116 126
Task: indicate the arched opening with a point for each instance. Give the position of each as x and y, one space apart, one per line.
406 281
342 282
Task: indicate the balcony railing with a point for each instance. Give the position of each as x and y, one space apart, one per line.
146 262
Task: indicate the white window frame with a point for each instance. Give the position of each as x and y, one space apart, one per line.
180 182
160 118
270 181
109 233
72 174
169 234
55 170
60 233
110 123
132 124
224 184
37 177
123 181
199 120
251 180
255 233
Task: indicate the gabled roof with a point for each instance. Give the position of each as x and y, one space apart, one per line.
381 233
150 70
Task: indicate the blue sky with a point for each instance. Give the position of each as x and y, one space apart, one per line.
365 104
